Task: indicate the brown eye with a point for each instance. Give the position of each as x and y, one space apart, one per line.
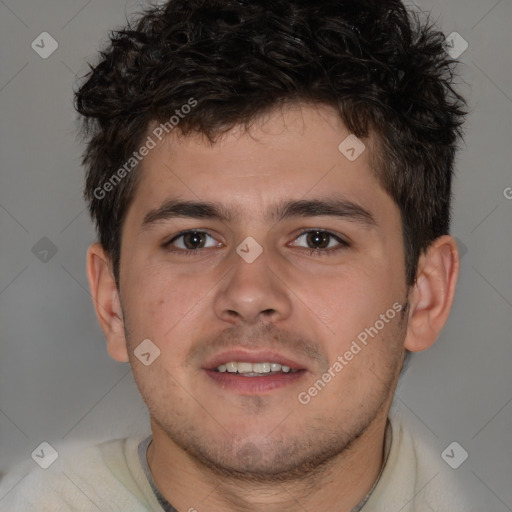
190 241
194 240
321 242
318 239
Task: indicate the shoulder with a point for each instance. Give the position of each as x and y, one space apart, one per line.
104 476
416 478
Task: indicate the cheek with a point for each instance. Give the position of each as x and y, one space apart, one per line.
161 302
349 303
345 296
146 299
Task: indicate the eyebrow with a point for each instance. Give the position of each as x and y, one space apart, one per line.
301 208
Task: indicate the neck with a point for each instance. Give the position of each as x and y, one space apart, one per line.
339 485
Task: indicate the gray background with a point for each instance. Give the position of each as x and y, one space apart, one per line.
56 379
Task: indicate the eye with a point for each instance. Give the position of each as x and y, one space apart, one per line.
189 241
322 242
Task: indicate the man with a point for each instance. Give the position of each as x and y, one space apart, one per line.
271 186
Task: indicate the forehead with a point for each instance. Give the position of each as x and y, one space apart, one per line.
294 151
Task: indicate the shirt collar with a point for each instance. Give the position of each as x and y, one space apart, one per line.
167 507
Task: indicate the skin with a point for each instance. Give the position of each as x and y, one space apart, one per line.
218 449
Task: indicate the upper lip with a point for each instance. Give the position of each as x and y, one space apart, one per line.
251 356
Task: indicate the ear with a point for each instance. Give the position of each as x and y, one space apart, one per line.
106 301
432 294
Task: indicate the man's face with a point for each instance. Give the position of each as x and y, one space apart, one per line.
302 302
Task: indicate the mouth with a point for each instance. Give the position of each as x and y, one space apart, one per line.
248 372
254 369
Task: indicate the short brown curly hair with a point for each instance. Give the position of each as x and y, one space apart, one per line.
384 71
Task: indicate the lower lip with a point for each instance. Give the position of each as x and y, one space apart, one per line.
254 385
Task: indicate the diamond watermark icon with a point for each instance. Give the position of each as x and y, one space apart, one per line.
454 455
249 249
351 148
455 45
463 248
147 352
44 45
45 455
44 249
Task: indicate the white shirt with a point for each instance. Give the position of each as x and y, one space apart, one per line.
109 477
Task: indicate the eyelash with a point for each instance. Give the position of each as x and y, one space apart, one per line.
312 252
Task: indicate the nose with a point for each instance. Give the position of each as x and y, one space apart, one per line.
252 292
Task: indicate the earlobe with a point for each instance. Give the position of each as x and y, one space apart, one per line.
106 301
432 295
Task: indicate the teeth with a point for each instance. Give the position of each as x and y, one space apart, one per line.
253 368
231 367
244 367
259 367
